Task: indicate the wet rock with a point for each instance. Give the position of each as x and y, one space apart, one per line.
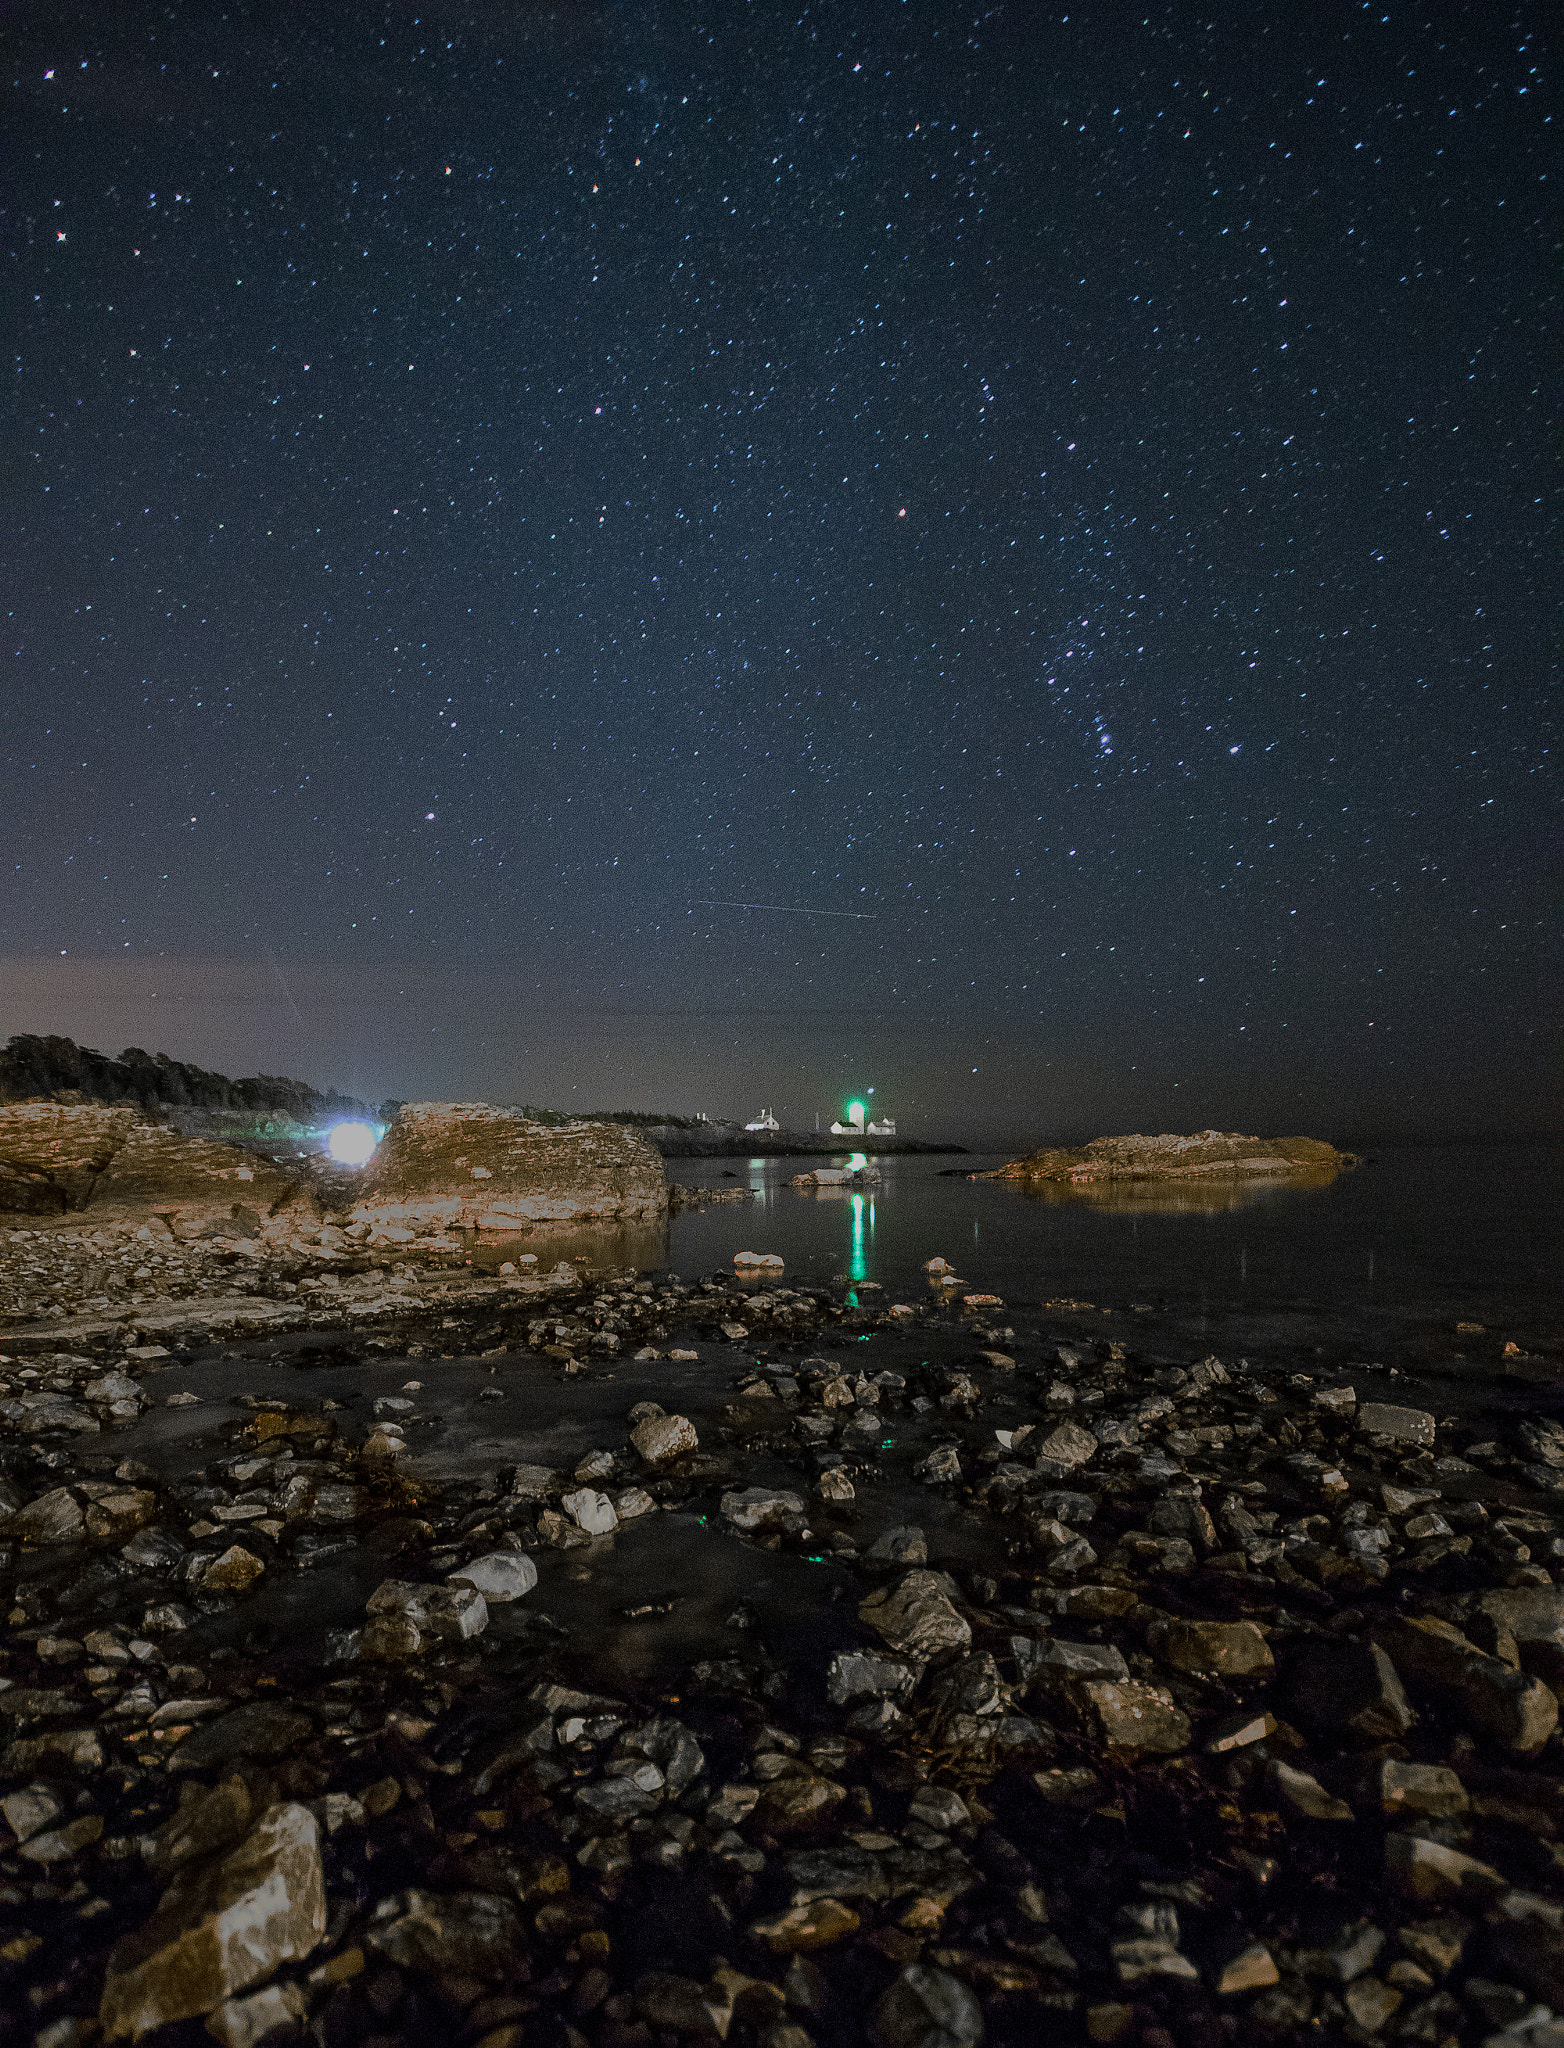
31 1810
797 1798
1305 1795
1252 1969
917 1617
763 1510
857 1674
403 1617
1435 1874
260 1729
1400 1425
1065 1449
1226 1649
1353 1687
70 1749
814 1924
502 1576
1055 1664
927 2008
207 1820
223 1925
462 1934
900 1547
1420 1791
243 2022
1533 1617
114 1516
1129 1719
661 1438
58 1845
942 1467
1183 1516
54 1517
1508 1707
234 1571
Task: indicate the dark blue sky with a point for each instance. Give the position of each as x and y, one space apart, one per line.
491 488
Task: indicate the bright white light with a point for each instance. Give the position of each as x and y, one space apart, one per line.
351 1144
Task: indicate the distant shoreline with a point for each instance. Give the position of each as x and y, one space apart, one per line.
758 1145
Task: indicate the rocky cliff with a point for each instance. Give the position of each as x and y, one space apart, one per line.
1206 1155
440 1166
447 1164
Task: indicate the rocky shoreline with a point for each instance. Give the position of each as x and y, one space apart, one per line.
1065 1680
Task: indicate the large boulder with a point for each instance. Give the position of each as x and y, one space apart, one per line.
443 1165
197 1185
225 1923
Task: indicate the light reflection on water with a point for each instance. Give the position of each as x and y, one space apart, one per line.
1412 1227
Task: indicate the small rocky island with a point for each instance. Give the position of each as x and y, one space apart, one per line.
1205 1155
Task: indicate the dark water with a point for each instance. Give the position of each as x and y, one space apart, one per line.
1414 1234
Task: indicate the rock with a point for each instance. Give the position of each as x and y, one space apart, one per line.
926 2008
52 1518
1423 1791
1401 1425
242 2022
70 1749
855 1674
917 1617
223 1925
1206 1156
1306 1795
113 1516
446 1164
661 1438
58 1845
633 1502
1435 1874
1250 1970
55 1152
942 1467
592 1512
1226 1649
453 1613
938 1808
814 1924
1048 1661
901 1547
30 1811
1508 1707
1351 1687
533 1482
206 1821
1183 1516
1534 1617
834 1484
1066 1448
235 1571
1128 1719
463 1934
502 1576
761 1509
261 1729
195 1186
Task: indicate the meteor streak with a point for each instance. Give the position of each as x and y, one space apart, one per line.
792 909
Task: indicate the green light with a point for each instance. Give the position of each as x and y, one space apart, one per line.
856 1112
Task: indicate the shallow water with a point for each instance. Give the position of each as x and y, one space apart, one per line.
1444 1233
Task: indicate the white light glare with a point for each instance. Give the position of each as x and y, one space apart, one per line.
351 1144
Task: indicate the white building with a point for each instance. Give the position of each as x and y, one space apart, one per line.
766 1122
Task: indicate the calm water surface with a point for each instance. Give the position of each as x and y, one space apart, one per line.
1455 1233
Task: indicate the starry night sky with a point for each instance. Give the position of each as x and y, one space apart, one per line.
491 488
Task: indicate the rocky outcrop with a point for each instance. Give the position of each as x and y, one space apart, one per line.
51 1155
63 1158
447 1165
1206 1155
